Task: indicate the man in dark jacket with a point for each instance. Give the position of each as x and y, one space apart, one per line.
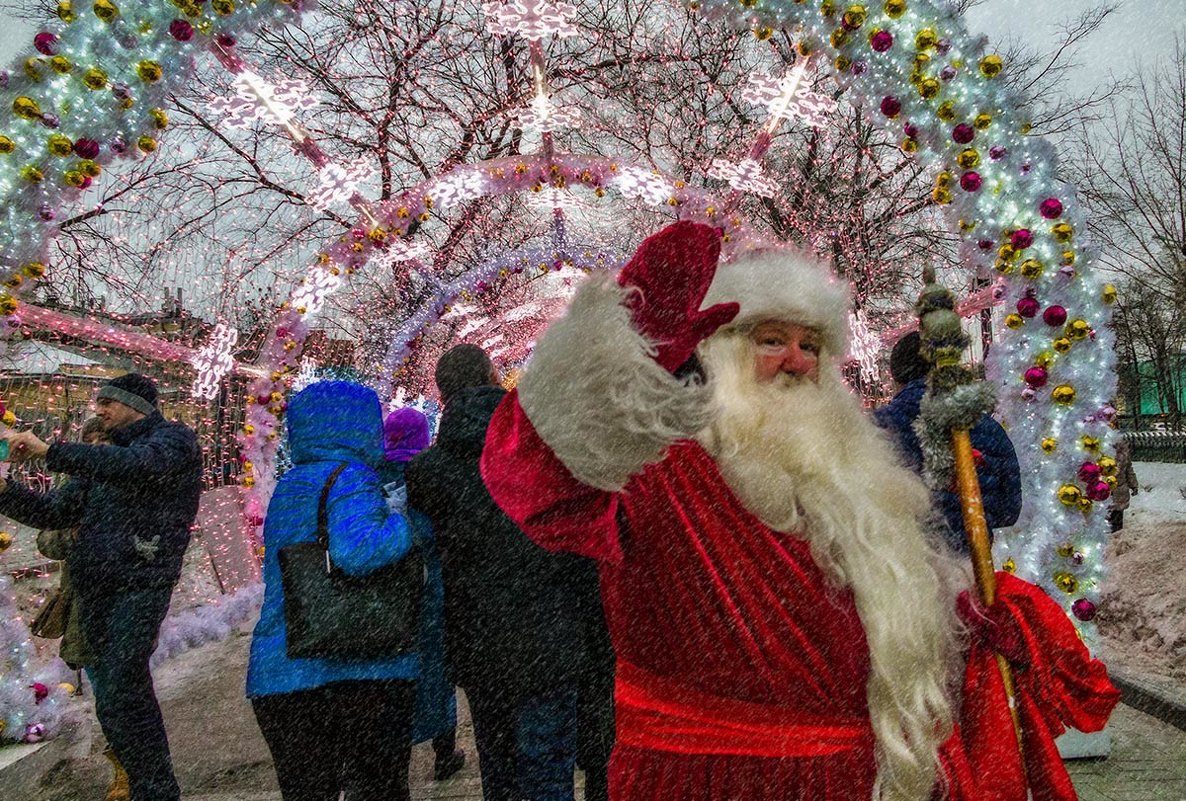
133 502
996 461
517 617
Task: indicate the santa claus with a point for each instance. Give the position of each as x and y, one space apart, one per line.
784 626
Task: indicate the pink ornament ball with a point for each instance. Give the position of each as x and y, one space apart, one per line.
1028 307
1022 238
947 73
40 692
963 133
910 129
1036 377
1054 315
34 732
986 244
1051 208
881 41
1028 394
1083 609
181 30
1089 473
86 148
1099 491
970 181
997 152
43 43
225 40
891 106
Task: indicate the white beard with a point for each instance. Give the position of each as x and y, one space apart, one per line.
804 458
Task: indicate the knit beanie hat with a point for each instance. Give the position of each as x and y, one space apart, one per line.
906 361
787 285
133 390
461 367
405 434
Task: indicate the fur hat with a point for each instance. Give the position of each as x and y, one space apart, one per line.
132 390
787 285
405 434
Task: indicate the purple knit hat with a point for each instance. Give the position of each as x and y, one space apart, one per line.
405 434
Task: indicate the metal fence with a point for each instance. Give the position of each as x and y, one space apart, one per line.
1157 446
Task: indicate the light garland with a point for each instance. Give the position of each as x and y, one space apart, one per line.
930 84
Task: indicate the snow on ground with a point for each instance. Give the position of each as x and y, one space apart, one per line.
1142 614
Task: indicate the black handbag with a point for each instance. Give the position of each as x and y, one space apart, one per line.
331 615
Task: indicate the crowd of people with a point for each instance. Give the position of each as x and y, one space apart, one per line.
679 555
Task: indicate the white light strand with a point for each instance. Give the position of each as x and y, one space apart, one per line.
533 19
214 361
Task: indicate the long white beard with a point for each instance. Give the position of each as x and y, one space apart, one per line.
805 459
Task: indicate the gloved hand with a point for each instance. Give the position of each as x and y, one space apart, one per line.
993 626
672 270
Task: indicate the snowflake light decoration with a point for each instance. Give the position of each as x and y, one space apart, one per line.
533 19
545 116
459 186
744 177
320 283
652 188
399 250
337 184
214 361
789 96
552 198
257 99
307 374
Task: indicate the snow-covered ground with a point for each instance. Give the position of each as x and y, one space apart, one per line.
1142 614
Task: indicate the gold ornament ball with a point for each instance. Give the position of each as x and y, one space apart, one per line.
1007 252
946 111
1062 232
1109 294
1068 257
1009 566
66 11
61 65
32 174
1069 495
991 66
89 168
146 144
1111 481
929 89
27 108
968 158
855 16
1065 550
67 687
841 63
106 10
5 540
1078 329
8 418
1090 443
1014 320
149 71
909 145
1066 582
1085 504
1107 465
982 121
838 37
1049 444
1031 268
73 178
1063 393
1062 344
33 269
926 39
95 78
1044 359
59 145
160 120
6 145
894 8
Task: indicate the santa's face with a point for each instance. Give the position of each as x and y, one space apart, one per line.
784 348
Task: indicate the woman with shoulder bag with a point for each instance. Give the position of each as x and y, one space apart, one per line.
340 721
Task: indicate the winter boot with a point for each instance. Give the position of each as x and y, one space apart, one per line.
119 789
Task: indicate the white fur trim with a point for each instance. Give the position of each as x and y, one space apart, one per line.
598 398
788 285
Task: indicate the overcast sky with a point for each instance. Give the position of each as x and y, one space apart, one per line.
1139 30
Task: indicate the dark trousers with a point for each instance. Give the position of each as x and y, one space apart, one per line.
1116 519
527 746
350 735
121 631
595 729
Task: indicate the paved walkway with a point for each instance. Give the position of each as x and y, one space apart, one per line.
220 756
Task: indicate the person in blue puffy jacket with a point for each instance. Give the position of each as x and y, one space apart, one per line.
996 460
333 725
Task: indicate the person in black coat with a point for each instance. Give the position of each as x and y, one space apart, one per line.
133 502
519 622
996 460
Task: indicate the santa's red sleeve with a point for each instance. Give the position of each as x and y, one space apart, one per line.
1058 685
591 410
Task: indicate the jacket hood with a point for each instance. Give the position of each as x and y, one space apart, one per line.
405 434
464 422
335 421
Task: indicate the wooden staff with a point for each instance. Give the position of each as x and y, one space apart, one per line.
943 341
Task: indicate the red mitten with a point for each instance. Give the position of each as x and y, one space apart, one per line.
994 627
672 270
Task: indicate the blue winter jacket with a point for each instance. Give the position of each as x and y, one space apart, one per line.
999 473
329 422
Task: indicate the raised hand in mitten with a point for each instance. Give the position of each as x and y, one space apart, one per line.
672 271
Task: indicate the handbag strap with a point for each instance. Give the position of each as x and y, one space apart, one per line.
323 514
